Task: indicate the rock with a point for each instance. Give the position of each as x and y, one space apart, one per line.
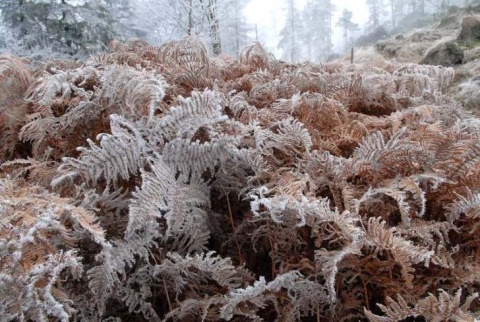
425 36
445 54
470 33
471 54
451 21
453 10
469 95
418 36
388 47
376 35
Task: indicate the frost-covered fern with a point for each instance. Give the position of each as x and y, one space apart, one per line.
120 155
160 184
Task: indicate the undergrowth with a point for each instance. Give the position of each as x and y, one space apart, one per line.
159 183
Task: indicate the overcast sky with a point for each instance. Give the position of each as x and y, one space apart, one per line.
269 15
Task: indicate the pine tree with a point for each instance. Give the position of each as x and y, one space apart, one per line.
163 20
397 8
65 26
233 26
375 11
428 6
348 27
122 11
290 33
317 32
417 6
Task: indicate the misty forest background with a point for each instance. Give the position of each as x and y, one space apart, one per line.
45 28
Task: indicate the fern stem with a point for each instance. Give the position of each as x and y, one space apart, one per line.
166 293
365 291
273 260
240 257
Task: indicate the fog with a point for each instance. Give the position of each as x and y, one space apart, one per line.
269 16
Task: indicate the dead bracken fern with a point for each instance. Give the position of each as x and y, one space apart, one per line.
161 184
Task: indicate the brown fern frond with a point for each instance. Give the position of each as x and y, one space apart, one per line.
256 57
15 78
432 308
135 93
40 230
17 69
404 252
186 63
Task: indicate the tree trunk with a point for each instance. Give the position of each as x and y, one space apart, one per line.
214 27
237 29
345 34
190 18
392 9
293 54
237 37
